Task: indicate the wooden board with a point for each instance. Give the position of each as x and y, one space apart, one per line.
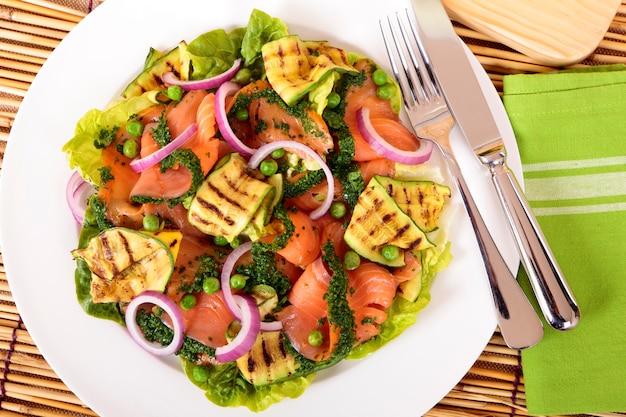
554 32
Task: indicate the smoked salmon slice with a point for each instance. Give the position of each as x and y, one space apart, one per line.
384 119
270 121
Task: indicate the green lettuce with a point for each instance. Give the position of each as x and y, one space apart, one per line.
80 150
214 52
224 386
261 29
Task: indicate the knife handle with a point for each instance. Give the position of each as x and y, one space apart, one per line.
519 324
554 297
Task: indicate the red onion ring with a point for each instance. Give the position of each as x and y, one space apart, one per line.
267 149
227 89
168 305
77 194
141 164
384 148
204 84
250 327
227 270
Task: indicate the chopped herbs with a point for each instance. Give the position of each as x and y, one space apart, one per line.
105 137
161 133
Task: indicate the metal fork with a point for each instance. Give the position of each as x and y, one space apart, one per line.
428 112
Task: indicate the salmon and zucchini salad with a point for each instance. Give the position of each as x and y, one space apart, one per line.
253 204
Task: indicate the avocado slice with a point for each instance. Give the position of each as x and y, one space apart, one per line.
377 221
422 201
125 262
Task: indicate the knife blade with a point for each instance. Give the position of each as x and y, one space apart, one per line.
469 108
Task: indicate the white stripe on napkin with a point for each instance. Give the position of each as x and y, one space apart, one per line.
576 191
576 164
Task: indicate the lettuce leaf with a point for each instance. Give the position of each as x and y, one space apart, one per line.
261 29
224 386
80 150
214 52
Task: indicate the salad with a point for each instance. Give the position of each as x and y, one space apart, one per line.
253 204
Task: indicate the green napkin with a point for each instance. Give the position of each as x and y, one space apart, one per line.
571 131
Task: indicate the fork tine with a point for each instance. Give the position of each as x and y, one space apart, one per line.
408 95
414 75
406 76
420 62
423 62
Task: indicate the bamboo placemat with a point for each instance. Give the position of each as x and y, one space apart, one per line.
31 29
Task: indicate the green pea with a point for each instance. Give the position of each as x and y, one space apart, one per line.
338 209
243 76
242 114
235 242
278 153
333 100
220 240
210 285
151 223
200 373
238 281
268 167
380 77
351 260
134 128
130 148
188 302
175 92
390 252
316 337
385 91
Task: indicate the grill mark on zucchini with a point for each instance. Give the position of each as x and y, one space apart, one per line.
267 358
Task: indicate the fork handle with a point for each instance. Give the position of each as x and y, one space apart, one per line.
553 295
519 324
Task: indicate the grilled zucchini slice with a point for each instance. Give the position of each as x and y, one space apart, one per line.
422 201
268 361
377 221
229 198
149 79
294 67
125 262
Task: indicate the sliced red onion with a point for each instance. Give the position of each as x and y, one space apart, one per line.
265 150
387 150
250 327
77 193
168 305
227 89
141 164
204 84
227 270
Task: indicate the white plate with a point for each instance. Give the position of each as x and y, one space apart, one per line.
95 358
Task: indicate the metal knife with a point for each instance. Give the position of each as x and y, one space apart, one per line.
469 108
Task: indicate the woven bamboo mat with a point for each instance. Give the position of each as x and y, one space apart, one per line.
31 29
